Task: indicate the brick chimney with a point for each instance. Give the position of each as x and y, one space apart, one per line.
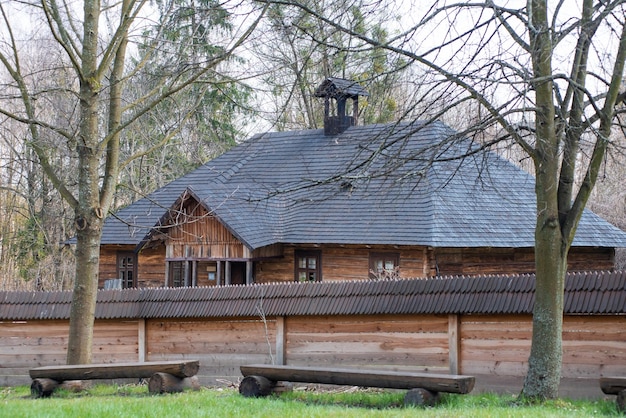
341 90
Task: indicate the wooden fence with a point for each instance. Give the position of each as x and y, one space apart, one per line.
494 348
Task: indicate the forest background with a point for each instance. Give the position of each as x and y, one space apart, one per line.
267 83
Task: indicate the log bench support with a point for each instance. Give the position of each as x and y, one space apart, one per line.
615 385
164 377
423 388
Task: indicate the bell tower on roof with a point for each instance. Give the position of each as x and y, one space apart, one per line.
340 90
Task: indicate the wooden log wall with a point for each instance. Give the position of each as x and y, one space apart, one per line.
348 262
594 346
472 261
150 265
495 349
495 345
151 268
413 343
24 345
108 262
221 345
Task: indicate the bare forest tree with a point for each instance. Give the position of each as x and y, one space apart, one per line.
609 196
37 219
547 77
297 52
219 102
77 104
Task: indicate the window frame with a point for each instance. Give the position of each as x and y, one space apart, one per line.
184 268
308 254
383 256
122 271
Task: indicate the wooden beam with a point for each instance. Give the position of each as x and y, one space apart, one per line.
280 340
186 271
612 385
116 371
362 377
249 275
141 340
454 343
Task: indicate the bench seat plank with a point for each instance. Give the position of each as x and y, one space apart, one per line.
180 369
612 385
361 377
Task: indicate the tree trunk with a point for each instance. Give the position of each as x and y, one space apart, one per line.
551 249
544 363
79 345
546 354
88 215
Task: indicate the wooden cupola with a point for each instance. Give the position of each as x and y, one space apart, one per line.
341 90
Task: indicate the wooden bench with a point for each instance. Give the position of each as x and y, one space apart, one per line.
615 385
424 388
165 376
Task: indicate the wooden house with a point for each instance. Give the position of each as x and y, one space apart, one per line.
346 202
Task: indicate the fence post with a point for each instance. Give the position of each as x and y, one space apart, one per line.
141 340
454 343
280 340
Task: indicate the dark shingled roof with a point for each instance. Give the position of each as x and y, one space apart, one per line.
336 87
304 187
585 293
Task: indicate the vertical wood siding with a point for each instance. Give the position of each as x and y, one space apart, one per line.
200 235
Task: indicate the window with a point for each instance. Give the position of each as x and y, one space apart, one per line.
178 274
127 269
384 265
308 266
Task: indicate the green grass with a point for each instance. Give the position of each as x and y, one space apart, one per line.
135 401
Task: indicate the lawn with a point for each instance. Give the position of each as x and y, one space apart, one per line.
134 401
